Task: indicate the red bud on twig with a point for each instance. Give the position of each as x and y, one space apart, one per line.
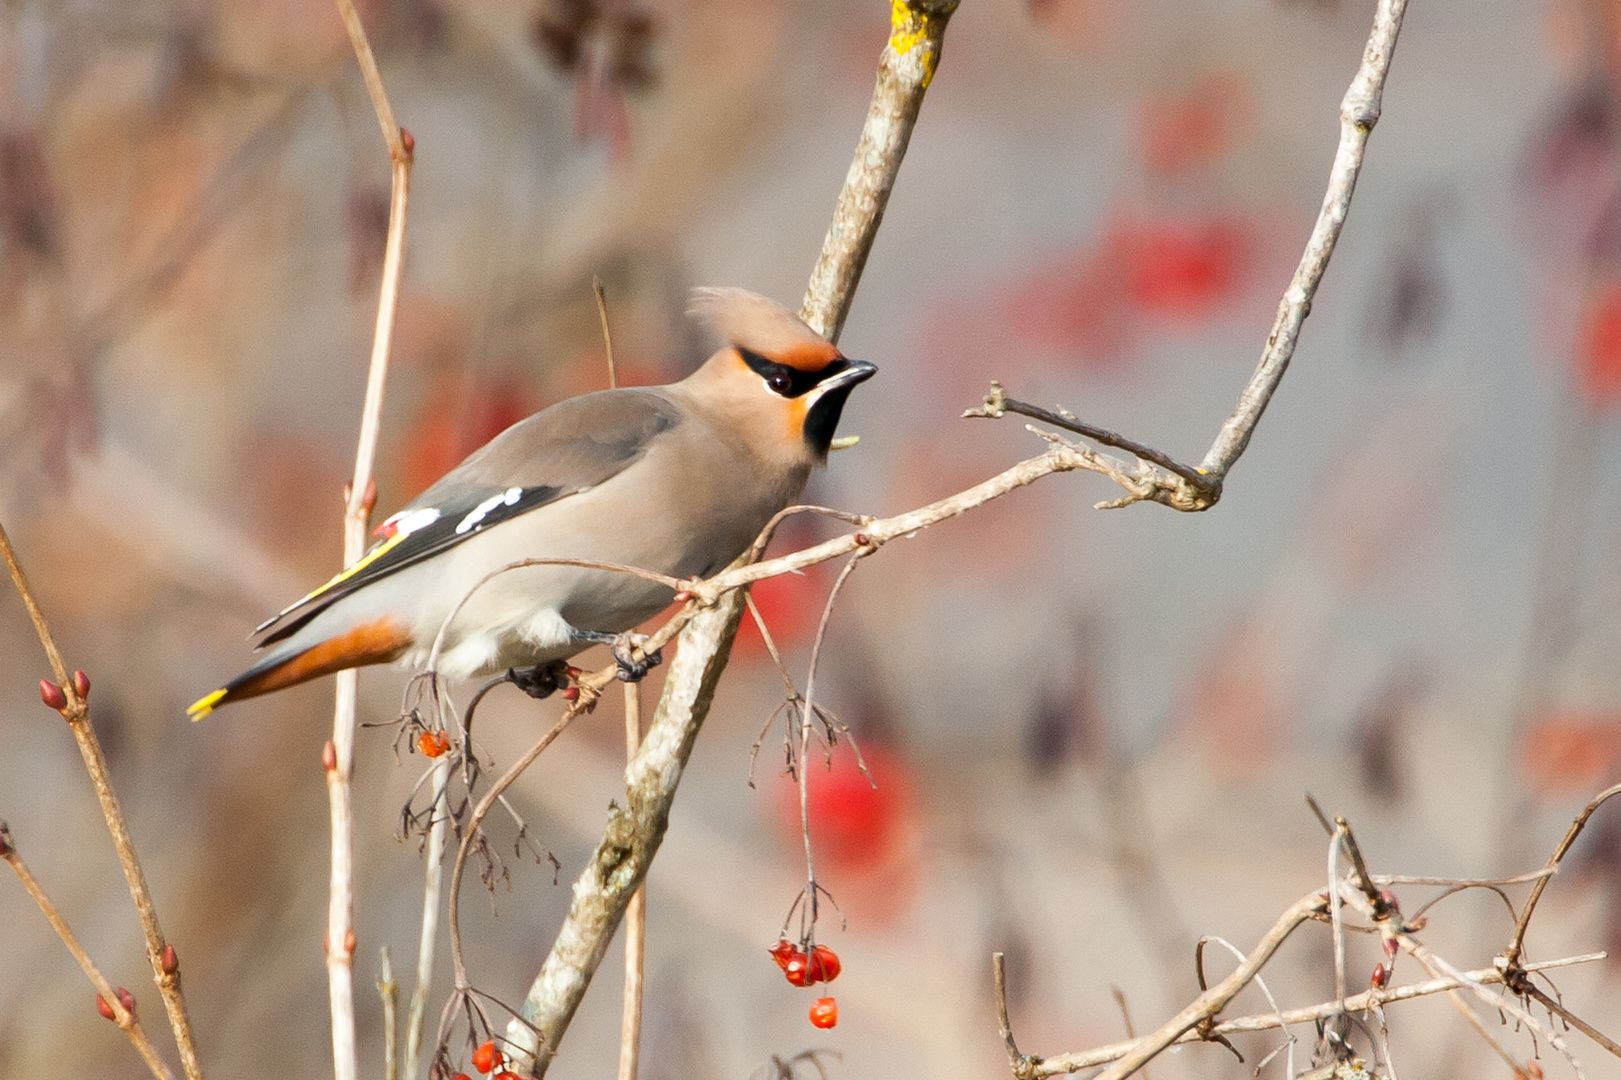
1381 977
329 756
408 140
52 695
1390 948
126 999
81 684
171 960
105 1009
5 840
349 942
571 693
369 502
862 540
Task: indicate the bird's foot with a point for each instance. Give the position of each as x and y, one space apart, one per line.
630 653
540 681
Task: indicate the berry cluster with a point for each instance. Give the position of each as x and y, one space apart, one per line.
487 1059
800 968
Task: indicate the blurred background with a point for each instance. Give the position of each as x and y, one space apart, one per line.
1092 731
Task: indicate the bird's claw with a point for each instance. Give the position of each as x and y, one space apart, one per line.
540 681
630 653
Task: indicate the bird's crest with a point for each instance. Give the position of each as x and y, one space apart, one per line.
751 321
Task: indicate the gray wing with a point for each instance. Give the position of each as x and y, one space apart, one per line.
571 447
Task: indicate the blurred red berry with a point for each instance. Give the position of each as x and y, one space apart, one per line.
506 1076
461 1076
433 743
824 1012
486 1057
1599 358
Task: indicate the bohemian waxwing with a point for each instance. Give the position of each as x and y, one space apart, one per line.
676 479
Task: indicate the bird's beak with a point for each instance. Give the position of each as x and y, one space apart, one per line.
854 371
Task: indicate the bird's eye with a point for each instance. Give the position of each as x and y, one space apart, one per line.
780 382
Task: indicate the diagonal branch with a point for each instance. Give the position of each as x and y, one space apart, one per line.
603 889
72 703
123 1017
1159 478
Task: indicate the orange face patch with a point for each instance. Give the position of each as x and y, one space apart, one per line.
809 356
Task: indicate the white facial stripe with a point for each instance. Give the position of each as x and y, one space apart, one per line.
512 495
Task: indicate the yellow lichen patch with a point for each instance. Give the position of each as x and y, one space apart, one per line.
908 26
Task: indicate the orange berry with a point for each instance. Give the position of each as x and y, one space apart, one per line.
433 743
824 1012
486 1057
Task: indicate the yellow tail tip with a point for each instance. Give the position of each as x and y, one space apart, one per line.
203 706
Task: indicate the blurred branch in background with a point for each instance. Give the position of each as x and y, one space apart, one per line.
359 500
1365 892
70 697
1160 478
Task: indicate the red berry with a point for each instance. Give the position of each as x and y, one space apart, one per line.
81 684
461 1076
824 1012
52 695
797 969
824 964
433 743
1381 977
506 1076
105 1009
486 1057
781 951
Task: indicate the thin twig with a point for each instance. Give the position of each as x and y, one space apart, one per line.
76 712
124 1018
630 1025
1204 1008
601 294
1570 1018
1516 945
357 512
1272 1021
389 992
433 878
1018 1062
1125 1015
1185 488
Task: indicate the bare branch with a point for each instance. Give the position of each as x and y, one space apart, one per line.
1516 945
1275 1020
1182 487
630 1024
75 709
633 835
124 1018
917 32
1203 1009
359 499
632 839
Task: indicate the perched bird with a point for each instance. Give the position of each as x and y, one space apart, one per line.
676 479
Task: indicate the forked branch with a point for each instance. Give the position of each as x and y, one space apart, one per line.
1157 477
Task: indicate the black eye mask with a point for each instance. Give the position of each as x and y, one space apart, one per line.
789 382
